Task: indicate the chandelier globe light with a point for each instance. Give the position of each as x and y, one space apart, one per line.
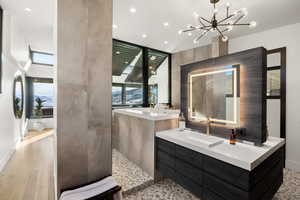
218 24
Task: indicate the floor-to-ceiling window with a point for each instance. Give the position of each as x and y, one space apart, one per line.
40 92
158 76
127 74
140 76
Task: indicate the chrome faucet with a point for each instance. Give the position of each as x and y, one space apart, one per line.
208 126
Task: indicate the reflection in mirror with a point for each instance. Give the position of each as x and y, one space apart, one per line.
214 95
127 74
18 97
273 83
158 76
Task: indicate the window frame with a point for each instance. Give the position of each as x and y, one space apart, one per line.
1 43
282 67
31 52
123 94
273 68
30 95
145 51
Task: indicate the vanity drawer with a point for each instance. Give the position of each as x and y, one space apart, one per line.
189 156
165 158
189 171
165 146
189 184
165 170
227 172
225 190
263 169
208 195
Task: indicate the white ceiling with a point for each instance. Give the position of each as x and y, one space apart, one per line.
36 26
150 15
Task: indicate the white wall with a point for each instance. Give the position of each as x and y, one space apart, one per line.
41 71
288 36
163 82
11 129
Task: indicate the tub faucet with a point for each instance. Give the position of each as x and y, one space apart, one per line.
208 126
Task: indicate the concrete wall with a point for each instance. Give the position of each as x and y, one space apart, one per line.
11 129
182 58
83 73
287 36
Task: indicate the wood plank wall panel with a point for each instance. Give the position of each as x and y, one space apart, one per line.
252 92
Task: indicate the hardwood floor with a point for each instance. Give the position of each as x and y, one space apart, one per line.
32 134
29 174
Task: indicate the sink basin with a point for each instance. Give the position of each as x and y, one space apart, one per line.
134 111
201 139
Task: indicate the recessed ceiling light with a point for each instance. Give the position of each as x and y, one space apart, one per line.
180 32
118 52
115 26
132 10
253 24
144 35
190 34
27 10
166 42
166 24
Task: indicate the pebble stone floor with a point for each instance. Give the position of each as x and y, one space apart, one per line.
128 175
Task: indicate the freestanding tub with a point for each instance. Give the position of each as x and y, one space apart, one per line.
134 134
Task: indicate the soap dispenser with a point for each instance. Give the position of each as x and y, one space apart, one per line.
181 122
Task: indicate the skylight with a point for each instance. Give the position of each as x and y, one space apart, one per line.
42 58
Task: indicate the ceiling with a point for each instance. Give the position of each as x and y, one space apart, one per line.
36 26
149 17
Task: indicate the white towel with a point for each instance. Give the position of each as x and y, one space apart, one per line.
90 190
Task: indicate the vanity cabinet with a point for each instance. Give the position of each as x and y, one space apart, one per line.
213 179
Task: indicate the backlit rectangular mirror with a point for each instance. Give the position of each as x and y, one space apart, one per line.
214 95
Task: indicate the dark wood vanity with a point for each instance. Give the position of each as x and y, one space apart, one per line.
209 166
213 179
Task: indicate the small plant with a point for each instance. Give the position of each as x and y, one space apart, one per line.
18 107
39 106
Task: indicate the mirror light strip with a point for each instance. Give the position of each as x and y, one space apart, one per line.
234 70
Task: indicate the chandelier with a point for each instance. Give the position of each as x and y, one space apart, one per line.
222 25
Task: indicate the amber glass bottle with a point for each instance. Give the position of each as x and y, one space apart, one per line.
232 137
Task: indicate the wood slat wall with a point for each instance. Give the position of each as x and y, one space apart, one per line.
252 92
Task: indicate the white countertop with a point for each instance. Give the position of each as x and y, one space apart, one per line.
242 155
153 114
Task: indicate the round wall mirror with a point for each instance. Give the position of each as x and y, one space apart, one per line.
18 97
